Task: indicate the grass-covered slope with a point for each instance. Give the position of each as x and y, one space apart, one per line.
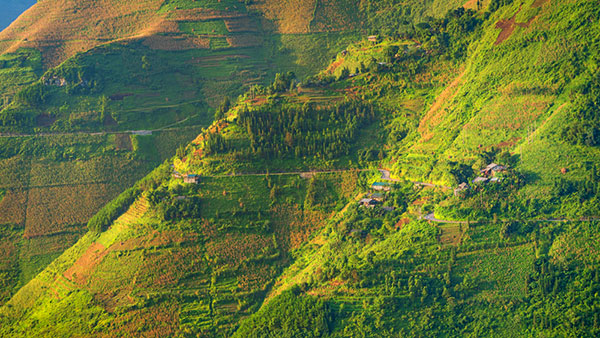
272 240
75 92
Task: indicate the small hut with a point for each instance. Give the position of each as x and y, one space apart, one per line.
191 179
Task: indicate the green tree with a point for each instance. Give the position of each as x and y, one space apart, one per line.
223 108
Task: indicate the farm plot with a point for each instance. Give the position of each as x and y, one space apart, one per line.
507 267
294 226
161 320
241 24
8 265
234 248
214 27
104 169
14 172
58 209
37 252
13 207
450 234
167 141
501 123
222 5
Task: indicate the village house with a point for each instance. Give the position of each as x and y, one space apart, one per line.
368 202
492 169
461 187
480 180
191 179
372 38
379 197
381 186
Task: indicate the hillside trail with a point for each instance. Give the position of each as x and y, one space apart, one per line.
170 127
386 176
431 217
303 173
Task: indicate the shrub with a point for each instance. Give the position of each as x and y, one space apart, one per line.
289 315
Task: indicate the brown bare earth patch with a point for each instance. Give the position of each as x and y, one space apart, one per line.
507 26
84 266
508 143
435 114
471 4
335 65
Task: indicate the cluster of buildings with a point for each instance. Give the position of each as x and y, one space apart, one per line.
376 198
487 175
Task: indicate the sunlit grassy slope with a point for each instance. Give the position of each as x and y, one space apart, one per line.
260 236
109 66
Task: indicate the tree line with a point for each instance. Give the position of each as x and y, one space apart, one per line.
299 131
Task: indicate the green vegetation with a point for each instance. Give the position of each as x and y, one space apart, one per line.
112 210
284 234
225 5
288 315
216 27
585 125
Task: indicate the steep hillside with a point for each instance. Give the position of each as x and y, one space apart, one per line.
97 88
91 106
279 218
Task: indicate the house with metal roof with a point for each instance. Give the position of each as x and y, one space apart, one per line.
191 179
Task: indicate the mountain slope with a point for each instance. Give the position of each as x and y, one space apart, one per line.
275 225
91 86
80 98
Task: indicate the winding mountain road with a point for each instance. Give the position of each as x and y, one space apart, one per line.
431 217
